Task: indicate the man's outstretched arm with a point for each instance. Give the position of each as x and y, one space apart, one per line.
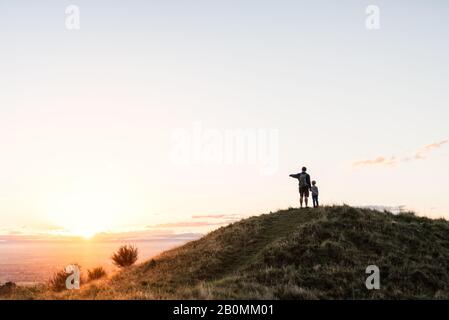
296 176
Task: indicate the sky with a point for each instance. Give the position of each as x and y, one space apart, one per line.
153 112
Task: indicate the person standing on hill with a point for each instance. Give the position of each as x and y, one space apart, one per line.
304 186
315 194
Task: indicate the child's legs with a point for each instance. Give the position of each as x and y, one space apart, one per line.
315 201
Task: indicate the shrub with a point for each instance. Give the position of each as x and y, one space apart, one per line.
125 256
58 281
96 273
7 288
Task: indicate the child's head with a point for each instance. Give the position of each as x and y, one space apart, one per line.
313 182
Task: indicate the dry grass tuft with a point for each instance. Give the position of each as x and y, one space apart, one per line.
96 273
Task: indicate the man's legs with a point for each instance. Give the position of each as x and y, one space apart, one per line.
304 197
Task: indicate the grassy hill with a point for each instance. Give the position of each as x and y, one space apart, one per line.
291 254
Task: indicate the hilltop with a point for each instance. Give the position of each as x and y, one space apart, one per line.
290 254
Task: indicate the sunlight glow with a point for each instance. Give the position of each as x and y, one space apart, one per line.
88 210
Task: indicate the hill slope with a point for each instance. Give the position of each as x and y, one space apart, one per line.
295 254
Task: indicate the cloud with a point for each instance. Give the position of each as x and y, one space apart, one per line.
147 235
420 154
217 216
198 222
186 224
129 236
378 161
35 229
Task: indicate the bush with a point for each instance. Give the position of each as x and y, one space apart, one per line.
7 288
96 273
58 281
125 256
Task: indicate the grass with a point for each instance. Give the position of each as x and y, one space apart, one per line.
96 273
57 281
292 254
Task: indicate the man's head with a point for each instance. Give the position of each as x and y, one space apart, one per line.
304 169
313 182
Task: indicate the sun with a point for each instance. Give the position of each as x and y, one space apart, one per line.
85 233
86 213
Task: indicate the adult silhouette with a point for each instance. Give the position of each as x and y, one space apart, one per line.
304 186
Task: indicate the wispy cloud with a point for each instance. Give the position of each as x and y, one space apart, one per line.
420 154
217 216
129 236
147 235
184 224
377 161
41 229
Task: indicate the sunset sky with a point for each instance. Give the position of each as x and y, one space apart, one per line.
92 121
